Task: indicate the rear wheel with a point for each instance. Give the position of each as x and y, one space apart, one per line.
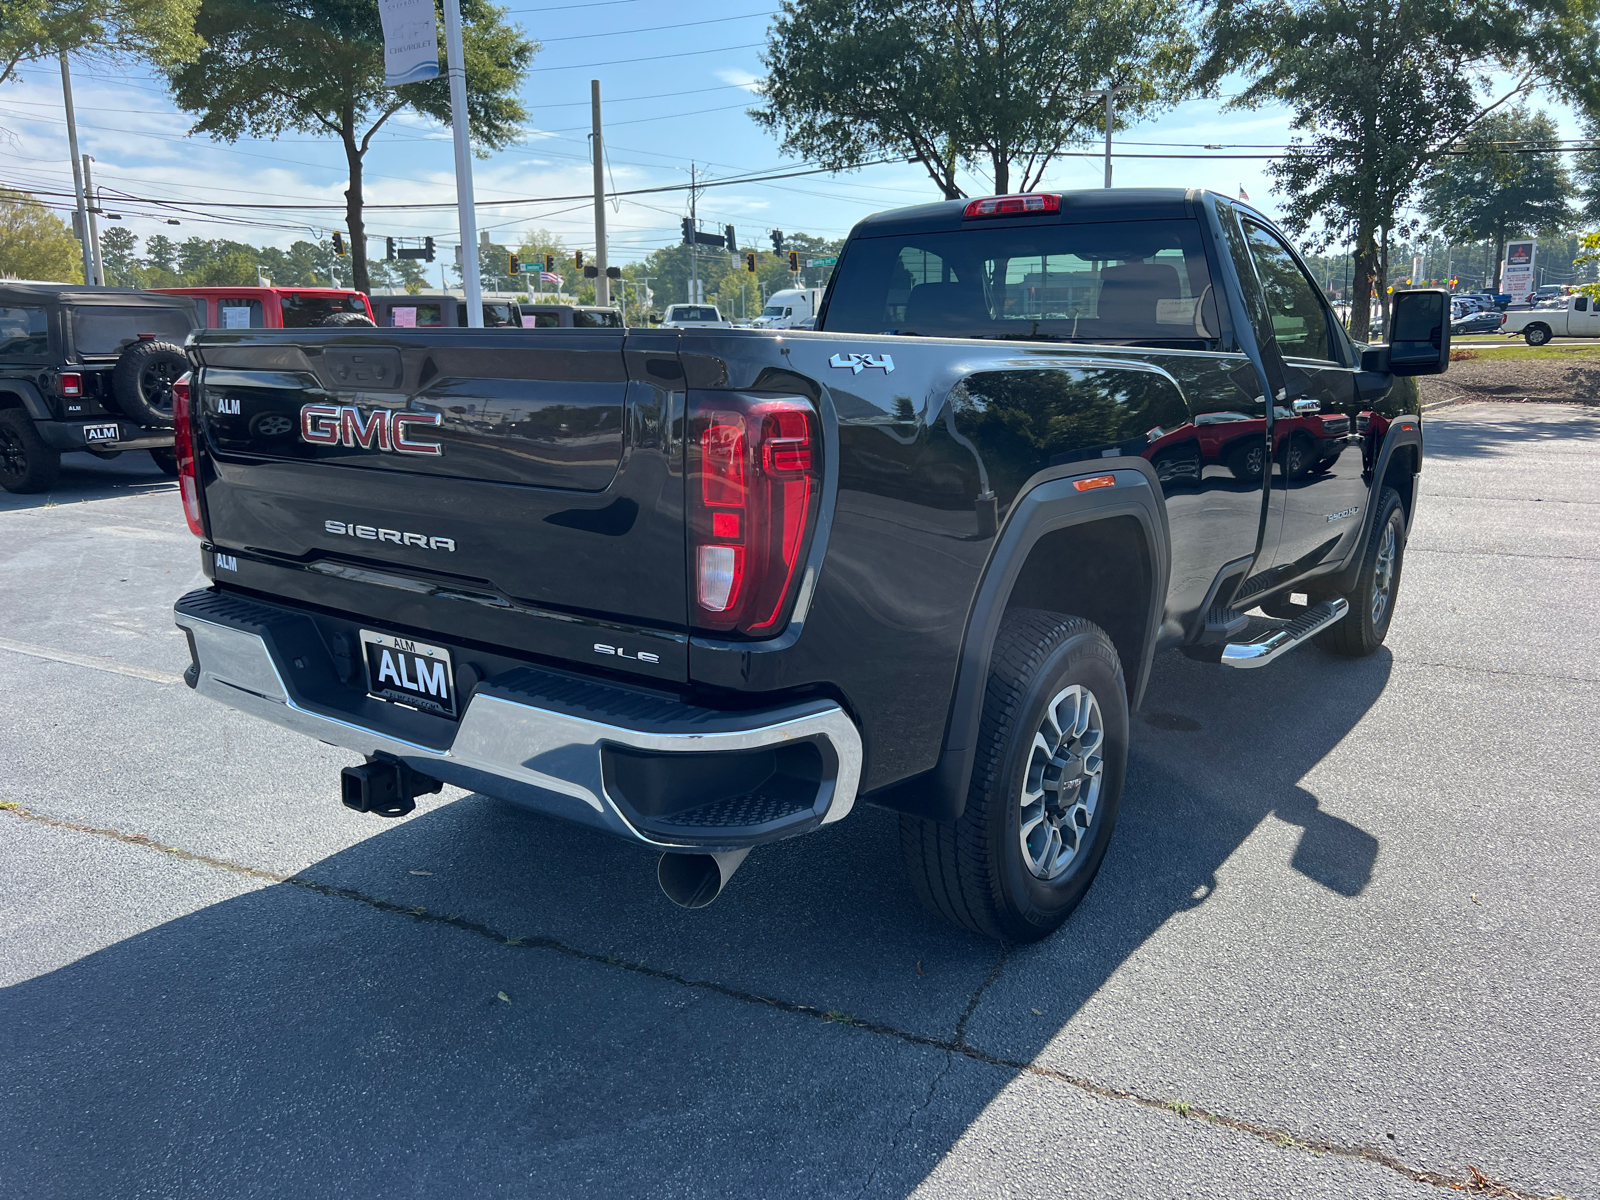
341 319
26 463
1045 790
143 377
167 460
1365 626
1536 335
1247 460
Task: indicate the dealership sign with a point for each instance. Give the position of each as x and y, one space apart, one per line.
410 41
1517 274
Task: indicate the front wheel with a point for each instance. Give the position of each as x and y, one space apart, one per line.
26 463
1365 626
1536 335
1046 785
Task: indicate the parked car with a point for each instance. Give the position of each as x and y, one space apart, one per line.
1488 321
1575 316
86 369
441 312
573 316
785 309
708 588
694 316
275 307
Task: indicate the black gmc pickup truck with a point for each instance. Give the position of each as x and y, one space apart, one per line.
706 589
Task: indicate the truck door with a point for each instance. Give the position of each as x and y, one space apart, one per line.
1318 493
1584 319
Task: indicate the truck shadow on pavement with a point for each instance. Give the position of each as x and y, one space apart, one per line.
86 477
478 998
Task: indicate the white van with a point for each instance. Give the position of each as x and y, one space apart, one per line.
788 308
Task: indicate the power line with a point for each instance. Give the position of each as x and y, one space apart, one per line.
614 62
578 37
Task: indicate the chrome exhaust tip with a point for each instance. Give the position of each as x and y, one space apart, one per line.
695 880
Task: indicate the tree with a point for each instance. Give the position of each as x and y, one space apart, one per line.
1586 172
953 83
1499 186
160 31
35 243
161 252
117 245
316 66
1379 88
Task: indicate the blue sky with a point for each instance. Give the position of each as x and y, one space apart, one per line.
674 93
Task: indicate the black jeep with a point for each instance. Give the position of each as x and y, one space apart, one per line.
86 369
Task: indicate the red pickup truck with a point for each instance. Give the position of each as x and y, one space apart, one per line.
276 307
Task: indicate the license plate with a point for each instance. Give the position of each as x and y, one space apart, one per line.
100 433
409 672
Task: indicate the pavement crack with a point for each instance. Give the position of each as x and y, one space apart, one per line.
1474 1183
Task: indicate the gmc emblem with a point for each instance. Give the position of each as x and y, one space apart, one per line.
342 425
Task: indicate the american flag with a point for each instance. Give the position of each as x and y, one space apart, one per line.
1243 195
549 277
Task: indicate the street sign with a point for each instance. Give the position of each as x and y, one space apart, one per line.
410 41
822 262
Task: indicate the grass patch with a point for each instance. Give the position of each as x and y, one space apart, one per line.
1553 354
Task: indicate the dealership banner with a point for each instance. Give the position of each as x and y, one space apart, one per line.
410 41
1517 275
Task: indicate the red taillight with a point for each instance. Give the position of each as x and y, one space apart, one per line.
183 449
1013 206
754 474
71 385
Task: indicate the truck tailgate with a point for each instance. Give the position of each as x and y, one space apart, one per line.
518 488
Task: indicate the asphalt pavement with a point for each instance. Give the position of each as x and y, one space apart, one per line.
1344 944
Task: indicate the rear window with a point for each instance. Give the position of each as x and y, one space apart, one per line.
546 320
102 330
691 312
23 332
497 316
599 318
240 314
300 312
415 316
1113 281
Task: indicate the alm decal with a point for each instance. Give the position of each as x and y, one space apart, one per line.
857 363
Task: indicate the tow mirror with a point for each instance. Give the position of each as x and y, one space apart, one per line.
1419 335
655 318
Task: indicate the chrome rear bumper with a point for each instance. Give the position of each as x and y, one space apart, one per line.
543 740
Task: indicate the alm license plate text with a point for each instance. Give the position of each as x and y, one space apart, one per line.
100 433
409 672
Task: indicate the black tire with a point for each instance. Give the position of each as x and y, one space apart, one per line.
1248 459
1367 623
167 460
26 463
974 871
344 318
143 377
1536 335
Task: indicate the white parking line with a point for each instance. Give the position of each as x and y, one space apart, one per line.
87 660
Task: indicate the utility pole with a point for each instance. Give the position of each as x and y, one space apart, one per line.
602 285
77 171
1111 114
694 236
93 210
456 62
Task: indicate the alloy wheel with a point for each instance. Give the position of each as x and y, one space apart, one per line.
1061 787
157 382
13 454
1383 575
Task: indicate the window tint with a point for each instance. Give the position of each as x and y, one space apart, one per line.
239 314
415 316
547 320
691 312
1124 281
498 316
299 311
603 318
1582 305
23 332
1299 316
102 330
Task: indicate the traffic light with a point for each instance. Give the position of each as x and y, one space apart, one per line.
577 260
550 263
613 272
777 241
750 261
794 260
388 248
591 272
427 244
338 243
688 231
514 265
730 237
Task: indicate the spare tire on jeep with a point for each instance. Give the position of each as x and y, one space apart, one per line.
143 377
345 318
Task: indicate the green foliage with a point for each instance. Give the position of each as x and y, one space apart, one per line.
1377 89
35 243
735 292
316 66
1496 189
996 85
161 31
1586 172
1589 243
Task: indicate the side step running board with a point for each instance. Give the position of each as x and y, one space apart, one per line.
1273 638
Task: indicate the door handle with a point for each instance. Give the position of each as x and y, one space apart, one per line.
1301 407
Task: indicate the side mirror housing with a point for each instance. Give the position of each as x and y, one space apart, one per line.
655 318
1419 334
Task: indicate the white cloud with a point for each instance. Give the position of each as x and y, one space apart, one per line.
740 78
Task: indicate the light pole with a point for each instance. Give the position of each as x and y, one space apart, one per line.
1110 94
